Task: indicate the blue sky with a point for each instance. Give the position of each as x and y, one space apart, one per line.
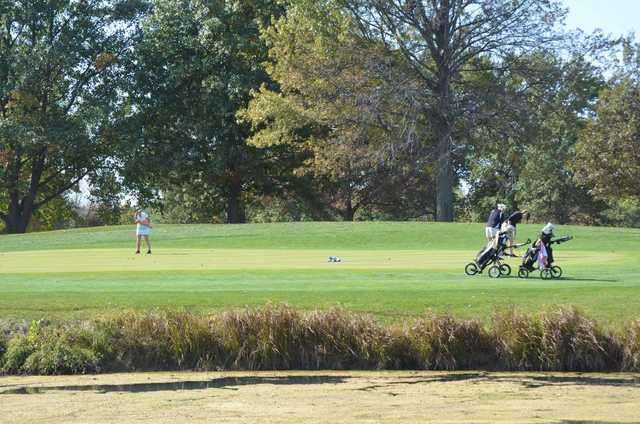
616 17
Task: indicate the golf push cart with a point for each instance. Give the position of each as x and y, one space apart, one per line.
491 256
531 261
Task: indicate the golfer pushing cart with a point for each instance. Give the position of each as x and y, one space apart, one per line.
539 256
492 256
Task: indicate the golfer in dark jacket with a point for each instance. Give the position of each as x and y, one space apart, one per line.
516 217
494 222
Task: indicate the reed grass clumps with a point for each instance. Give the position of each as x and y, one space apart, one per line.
441 342
631 340
3 345
562 340
283 338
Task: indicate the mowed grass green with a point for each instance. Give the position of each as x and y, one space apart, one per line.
392 270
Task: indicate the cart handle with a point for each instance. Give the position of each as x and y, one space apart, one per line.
561 240
522 244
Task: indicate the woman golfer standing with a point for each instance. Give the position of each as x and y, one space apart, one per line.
143 229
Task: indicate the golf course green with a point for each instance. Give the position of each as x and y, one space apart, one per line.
391 270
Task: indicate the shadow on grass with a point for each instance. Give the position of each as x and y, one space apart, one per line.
528 381
582 380
600 280
556 280
228 383
587 422
231 383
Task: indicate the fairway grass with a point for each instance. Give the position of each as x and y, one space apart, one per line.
392 270
121 260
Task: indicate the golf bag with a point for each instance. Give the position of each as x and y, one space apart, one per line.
492 252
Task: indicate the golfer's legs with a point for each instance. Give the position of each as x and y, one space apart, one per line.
138 238
146 240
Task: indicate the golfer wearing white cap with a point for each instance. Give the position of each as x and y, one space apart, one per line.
143 229
494 222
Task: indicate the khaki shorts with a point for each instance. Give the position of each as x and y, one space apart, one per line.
490 232
510 230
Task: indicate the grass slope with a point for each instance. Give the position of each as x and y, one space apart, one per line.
390 269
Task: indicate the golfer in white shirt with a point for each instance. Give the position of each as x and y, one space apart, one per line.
143 229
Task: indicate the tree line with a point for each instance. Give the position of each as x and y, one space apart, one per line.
263 110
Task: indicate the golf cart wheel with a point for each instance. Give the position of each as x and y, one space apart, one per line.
494 271
505 269
523 273
471 269
556 271
545 274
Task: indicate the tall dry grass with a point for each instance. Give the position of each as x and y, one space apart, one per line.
283 338
561 340
441 342
520 340
573 342
631 343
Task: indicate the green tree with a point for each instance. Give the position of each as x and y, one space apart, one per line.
440 40
57 214
59 68
523 155
608 152
195 68
107 195
345 101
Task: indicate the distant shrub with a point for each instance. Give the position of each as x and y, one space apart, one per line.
274 209
59 355
18 350
51 350
622 213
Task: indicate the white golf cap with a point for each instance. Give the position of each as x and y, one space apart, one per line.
502 206
548 229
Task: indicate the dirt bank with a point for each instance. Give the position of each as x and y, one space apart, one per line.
319 397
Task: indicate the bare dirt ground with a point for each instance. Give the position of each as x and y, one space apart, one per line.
323 397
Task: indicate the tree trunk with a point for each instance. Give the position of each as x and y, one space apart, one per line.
444 196
349 213
349 210
18 218
235 209
20 211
